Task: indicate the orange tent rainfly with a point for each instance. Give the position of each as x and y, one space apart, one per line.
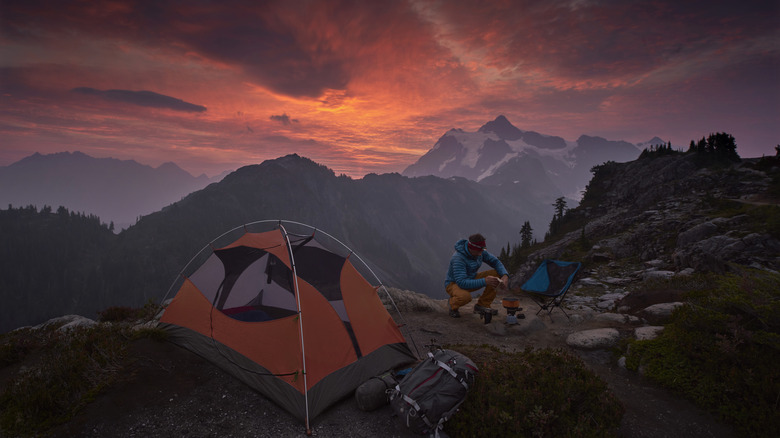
288 312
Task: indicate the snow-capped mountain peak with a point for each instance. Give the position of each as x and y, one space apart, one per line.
482 154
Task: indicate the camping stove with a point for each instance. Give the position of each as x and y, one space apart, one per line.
512 306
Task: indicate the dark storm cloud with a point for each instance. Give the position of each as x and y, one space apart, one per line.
290 47
592 39
284 119
142 98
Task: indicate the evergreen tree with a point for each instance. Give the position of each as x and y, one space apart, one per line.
526 235
716 147
723 146
560 207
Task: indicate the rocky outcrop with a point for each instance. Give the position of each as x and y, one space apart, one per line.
65 323
408 301
668 209
651 221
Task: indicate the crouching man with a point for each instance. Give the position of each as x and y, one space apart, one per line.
463 276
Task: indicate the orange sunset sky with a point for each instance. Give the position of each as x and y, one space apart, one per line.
369 86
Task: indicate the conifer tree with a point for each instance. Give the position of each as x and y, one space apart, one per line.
560 207
526 234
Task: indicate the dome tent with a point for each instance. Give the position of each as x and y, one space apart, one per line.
285 308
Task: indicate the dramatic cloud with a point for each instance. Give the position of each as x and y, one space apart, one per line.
142 98
377 82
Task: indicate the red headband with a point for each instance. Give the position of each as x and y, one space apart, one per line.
476 246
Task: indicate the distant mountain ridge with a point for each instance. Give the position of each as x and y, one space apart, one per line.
498 144
117 191
404 228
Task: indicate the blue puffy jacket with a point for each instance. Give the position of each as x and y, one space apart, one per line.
464 266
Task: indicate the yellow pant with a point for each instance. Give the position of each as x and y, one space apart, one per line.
460 297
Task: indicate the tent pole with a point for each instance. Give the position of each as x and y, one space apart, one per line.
300 324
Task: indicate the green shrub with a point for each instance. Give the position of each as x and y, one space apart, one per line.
124 313
149 311
15 346
721 350
118 314
155 334
534 393
72 369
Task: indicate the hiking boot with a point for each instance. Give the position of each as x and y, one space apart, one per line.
455 313
483 310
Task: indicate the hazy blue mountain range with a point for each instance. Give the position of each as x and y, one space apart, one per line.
117 191
503 154
403 227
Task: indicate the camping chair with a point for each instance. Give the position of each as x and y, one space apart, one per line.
548 285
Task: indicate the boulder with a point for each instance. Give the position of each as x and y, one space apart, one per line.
660 312
593 339
696 233
647 332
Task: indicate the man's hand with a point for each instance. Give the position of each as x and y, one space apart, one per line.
492 281
504 282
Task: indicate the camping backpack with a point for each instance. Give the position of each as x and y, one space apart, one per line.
433 391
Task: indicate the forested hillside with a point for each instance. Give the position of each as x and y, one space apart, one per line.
51 262
405 229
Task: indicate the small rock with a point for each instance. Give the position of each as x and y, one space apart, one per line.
616 281
146 325
612 318
606 304
656 263
657 274
588 281
577 319
613 296
686 272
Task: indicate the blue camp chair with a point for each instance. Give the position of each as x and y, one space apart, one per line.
548 285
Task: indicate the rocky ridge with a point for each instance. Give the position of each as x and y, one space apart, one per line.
657 219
